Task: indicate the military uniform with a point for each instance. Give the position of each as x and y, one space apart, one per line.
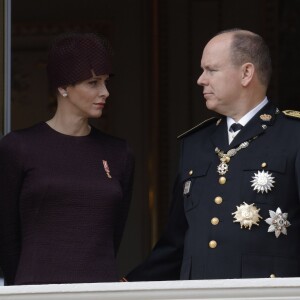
243 222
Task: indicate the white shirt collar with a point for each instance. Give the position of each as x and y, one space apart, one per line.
245 119
248 116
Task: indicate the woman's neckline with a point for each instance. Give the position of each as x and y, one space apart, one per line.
46 125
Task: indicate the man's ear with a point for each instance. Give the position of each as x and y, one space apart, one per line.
62 91
248 70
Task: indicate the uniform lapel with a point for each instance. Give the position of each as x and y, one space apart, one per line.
256 126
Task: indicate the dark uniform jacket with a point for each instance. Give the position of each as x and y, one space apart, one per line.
201 239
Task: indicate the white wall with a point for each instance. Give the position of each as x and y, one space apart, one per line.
236 289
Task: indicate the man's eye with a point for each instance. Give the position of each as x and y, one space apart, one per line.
93 82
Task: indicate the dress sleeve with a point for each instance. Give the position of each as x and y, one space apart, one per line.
127 183
11 175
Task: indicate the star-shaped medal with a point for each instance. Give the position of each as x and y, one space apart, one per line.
262 182
278 222
247 215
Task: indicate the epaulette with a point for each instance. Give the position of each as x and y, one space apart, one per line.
292 114
201 125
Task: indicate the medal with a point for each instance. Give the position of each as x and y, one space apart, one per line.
187 186
222 168
106 168
278 222
262 182
265 117
247 215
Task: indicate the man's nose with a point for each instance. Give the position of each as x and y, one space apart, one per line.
202 80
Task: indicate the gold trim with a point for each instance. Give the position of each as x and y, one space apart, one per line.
195 127
292 113
265 117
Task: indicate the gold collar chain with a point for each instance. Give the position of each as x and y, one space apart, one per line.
222 168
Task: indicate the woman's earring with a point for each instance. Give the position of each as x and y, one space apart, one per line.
63 92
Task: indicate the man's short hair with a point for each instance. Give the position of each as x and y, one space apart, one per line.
250 47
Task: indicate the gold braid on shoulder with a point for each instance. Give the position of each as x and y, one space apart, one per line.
292 113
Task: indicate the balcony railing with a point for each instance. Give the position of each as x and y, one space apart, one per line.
237 289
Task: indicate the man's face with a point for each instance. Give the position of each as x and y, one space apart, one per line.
221 80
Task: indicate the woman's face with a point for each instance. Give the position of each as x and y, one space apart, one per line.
87 98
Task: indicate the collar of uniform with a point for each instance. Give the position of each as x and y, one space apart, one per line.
245 119
248 116
256 126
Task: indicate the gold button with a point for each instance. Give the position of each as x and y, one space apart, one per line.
212 244
272 276
222 180
215 221
218 200
227 159
191 172
263 165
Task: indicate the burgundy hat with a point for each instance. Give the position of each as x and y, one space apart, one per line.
73 57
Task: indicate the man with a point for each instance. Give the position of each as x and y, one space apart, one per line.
236 208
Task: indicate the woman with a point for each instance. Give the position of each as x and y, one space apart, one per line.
65 186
